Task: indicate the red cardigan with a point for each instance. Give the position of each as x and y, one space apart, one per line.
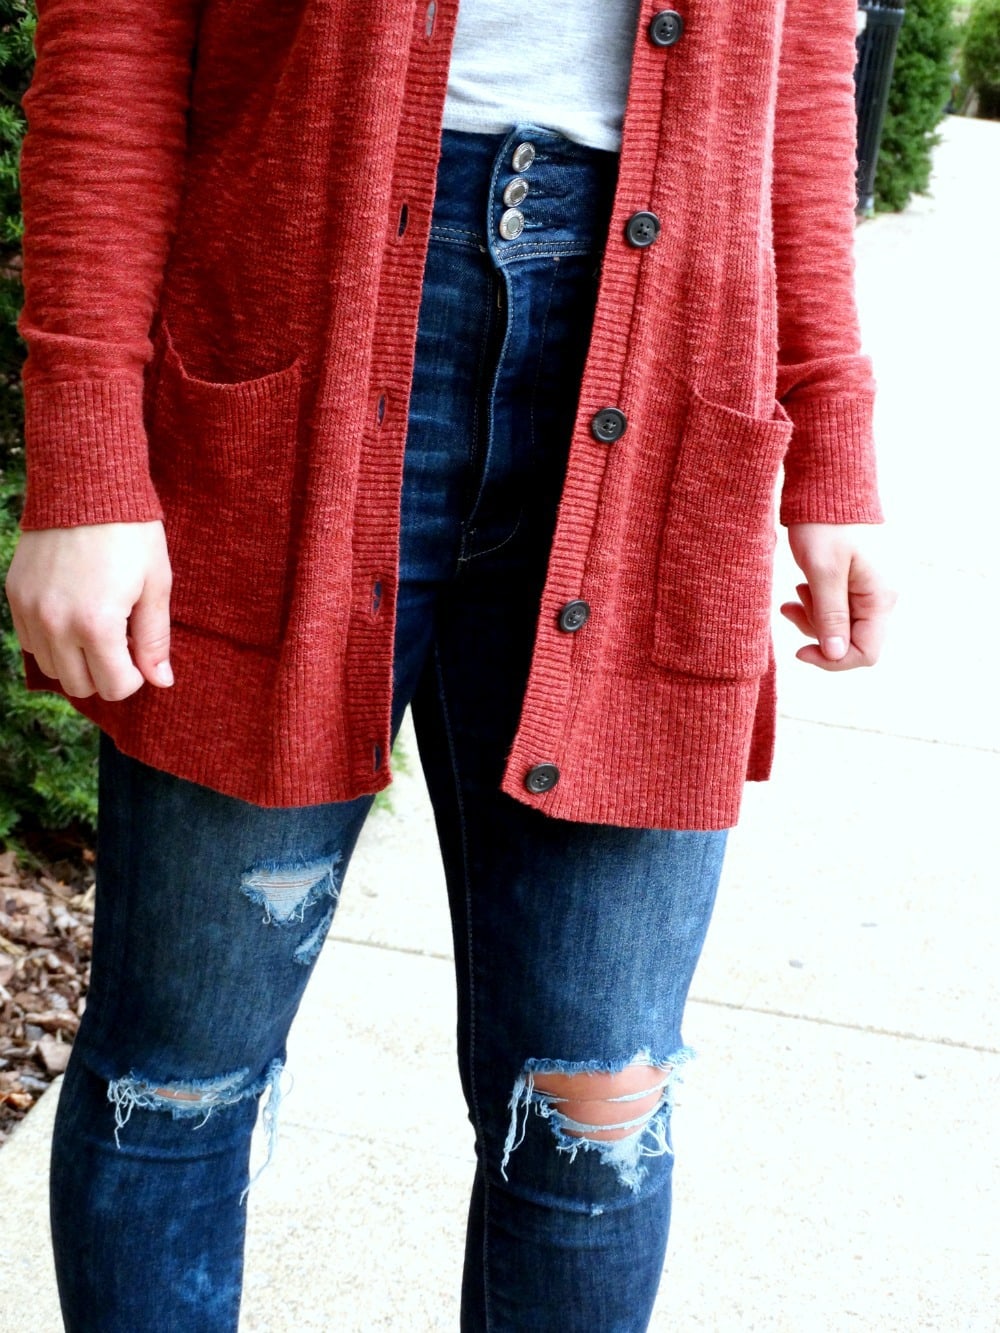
227 206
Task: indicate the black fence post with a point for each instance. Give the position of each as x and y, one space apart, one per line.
872 76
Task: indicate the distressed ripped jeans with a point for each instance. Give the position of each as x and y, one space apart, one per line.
575 944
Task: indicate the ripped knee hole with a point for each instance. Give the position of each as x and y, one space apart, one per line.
605 1107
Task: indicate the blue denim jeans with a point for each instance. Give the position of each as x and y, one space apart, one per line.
574 944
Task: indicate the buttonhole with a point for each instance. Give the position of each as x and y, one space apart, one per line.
404 217
380 409
431 16
376 758
376 596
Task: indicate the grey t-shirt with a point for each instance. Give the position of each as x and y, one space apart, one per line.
563 67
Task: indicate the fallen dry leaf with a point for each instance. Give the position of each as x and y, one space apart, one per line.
54 1054
46 925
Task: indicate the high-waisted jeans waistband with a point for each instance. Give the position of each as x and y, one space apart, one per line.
562 190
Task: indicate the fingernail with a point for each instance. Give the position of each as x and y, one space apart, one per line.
164 675
835 647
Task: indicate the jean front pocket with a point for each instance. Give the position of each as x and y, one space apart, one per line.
713 597
223 458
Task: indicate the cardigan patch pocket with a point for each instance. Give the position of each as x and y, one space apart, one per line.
713 595
222 457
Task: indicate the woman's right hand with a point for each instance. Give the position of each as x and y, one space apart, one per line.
92 606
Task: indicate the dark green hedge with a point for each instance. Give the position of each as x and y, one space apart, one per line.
921 84
981 55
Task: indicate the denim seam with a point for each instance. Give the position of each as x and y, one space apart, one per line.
467 240
541 358
541 250
543 243
473 1091
477 442
490 415
476 555
534 392
108 1015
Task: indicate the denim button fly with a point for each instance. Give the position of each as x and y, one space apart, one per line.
512 224
515 192
524 277
524 155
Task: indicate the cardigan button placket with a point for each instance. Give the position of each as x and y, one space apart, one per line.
666 28
541 778
642 229
574 616
608 425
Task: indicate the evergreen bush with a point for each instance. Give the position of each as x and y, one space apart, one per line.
47 750
980 63
921 83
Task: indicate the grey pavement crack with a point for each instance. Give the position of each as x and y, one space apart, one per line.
892 735
728 1004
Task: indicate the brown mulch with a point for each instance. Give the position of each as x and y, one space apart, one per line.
46 925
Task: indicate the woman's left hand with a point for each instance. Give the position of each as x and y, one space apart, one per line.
844 603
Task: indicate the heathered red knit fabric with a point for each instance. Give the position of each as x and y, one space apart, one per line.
227 205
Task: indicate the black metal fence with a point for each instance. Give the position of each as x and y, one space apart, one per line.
872 77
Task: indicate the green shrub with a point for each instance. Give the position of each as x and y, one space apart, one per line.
47 750
921 83
980 61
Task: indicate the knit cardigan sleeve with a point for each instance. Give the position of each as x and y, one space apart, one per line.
824 382
101 176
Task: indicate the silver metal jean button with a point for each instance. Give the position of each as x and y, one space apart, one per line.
512 224
524 155
515 192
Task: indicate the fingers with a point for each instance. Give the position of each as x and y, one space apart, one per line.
844 604
75 593
71 670
799 616
110 663
149 632
829 609
86 653
871 603
20 628
800 613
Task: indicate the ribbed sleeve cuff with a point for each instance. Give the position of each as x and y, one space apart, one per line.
830 472
86 454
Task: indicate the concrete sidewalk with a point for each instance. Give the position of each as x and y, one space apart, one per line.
838 1161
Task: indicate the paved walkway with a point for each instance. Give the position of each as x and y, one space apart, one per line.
838 1155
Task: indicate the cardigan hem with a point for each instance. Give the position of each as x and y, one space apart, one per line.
698 730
